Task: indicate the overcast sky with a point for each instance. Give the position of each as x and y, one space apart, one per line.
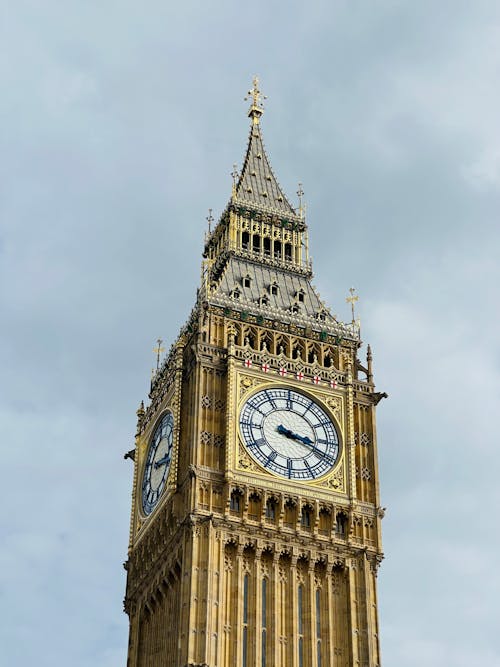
119 126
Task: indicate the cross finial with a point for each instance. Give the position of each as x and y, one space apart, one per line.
256 108
300 193
352 300
158 350
210 220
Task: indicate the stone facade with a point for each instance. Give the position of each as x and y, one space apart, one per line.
236 565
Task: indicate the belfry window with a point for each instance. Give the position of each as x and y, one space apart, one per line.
245 240
277 250
267 247
288 252
256 243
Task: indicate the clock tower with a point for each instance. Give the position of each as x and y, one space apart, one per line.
255 529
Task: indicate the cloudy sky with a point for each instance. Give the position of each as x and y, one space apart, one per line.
120 123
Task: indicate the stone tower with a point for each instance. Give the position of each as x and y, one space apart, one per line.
255 530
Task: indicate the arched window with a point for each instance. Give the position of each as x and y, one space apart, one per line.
271 509
235 501
277 250
256 243
305 517
245 240
288 252
341 524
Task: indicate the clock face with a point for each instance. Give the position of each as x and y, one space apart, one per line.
289 434
157 463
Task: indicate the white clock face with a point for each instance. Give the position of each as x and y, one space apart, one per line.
157 463
289 434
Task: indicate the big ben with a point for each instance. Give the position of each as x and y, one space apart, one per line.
255 534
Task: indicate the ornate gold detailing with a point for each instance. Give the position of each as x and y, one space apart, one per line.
335 405
158 350
352 300
255 96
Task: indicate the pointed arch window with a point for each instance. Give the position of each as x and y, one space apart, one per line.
341 524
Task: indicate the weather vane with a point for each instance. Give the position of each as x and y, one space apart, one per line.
158 350
255 95
352 300
209 220
300 193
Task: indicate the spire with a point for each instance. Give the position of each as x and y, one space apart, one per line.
257 186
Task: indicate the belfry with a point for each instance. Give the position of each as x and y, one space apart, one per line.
255 533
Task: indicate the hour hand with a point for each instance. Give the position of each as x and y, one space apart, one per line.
162 461
285 431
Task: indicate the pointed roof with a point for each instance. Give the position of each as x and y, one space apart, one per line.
257 185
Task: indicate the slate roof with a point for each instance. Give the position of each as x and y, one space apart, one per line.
257 185
261 278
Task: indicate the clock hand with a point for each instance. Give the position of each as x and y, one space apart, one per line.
294 436
162 461
285 431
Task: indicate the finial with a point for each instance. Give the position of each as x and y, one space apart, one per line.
256 108
300 193
235 175
369 362
352 300
209 220
158 350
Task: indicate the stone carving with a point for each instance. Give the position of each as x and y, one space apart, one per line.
246 385
245 461
335 405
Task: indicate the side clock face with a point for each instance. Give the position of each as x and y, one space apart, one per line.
289 434
157 463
